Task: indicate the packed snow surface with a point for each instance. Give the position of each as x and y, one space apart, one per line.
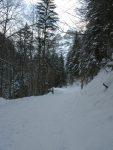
70 119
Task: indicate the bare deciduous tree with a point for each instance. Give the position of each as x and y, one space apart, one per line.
10 12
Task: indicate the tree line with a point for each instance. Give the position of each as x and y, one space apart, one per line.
92 48
29 62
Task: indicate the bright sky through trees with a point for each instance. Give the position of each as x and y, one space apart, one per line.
67 12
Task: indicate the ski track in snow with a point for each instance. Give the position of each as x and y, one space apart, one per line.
70 119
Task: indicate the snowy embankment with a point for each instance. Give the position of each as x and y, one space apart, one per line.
70 119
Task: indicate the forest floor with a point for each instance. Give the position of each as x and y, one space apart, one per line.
69 119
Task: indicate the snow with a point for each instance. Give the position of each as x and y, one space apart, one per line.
70 119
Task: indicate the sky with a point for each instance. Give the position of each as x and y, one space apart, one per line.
67 13
66 10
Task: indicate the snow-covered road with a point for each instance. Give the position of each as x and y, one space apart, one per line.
36 122
70 119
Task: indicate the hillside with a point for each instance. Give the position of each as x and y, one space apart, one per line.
70 119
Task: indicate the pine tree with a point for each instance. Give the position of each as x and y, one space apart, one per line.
73 57
99 31
6 66
62 71
97 41
24 60
46 24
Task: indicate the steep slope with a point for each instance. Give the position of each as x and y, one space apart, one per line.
70 119
92 117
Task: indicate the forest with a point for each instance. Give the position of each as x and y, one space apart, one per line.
31 62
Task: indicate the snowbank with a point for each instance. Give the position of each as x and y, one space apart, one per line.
92 119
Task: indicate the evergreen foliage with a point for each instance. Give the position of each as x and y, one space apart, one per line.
96 43
29 63
31 59
46 24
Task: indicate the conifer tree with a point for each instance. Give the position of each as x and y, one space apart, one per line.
97 41
23 62
46 24
62 71
73 57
